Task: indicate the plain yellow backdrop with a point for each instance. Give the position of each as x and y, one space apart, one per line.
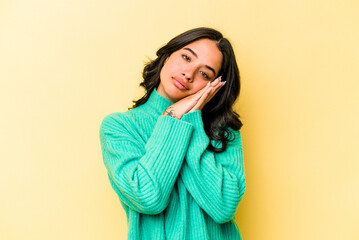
64 65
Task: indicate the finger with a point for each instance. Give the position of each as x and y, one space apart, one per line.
198 94
218 87
216 81
202 100
210 91
213 92
208 94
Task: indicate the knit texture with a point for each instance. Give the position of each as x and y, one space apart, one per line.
169 184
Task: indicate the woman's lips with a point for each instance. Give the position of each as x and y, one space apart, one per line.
179 84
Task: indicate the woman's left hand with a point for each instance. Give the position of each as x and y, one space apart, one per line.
208 94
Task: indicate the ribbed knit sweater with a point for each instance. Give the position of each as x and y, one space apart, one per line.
169 184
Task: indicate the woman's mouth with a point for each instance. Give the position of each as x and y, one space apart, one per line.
179 84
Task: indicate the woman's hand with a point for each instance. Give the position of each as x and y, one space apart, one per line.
208 94
195 101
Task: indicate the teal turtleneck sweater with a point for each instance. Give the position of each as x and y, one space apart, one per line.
169 184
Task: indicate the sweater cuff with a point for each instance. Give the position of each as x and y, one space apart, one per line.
195 119
169 139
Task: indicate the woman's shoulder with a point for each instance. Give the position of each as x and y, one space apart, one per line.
123 116
128 119
117 119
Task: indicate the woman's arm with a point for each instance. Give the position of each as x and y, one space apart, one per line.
144 173
215 180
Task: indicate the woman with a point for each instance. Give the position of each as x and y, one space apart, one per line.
175 160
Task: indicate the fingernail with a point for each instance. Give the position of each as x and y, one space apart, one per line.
219 77
224 82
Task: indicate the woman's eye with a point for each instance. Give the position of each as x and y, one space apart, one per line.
185 57
204 75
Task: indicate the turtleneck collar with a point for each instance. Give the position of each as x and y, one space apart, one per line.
157 103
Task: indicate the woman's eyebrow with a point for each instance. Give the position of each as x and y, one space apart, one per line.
188 49
195 54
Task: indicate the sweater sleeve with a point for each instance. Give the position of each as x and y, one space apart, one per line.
215 180
143 174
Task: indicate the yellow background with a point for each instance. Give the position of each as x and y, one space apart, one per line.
64 65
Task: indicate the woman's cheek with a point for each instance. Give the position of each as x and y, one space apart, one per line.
200 86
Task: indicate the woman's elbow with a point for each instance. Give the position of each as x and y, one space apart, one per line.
154 206
226 210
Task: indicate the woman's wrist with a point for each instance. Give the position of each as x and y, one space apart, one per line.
170 111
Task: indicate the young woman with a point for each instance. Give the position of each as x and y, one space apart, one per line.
175 160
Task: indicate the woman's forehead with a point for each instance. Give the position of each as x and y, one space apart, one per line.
206 50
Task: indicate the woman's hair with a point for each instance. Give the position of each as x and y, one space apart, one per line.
217 114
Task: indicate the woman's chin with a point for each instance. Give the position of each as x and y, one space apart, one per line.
175 94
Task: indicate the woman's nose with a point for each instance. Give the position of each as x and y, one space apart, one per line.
188 75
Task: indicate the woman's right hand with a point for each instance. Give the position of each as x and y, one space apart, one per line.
195 101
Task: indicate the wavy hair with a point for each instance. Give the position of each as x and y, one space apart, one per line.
218 114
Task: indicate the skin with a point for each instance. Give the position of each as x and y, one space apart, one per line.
188 77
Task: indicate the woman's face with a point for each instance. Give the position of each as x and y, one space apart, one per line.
189 69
